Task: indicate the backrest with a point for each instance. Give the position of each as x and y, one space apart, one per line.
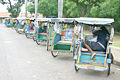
69 35
18 25
56 38
39 30
28 27
45 29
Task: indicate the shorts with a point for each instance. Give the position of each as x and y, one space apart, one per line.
95 46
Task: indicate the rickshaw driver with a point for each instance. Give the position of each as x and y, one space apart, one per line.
101 43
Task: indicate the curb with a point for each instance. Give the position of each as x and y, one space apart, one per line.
117 63
116 56
115 47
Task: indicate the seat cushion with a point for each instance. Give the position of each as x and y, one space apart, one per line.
65 42
102 53
31 30
42 33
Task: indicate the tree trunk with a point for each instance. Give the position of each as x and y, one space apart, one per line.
88 11
83 10
10 4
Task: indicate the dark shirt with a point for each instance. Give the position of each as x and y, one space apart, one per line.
101 36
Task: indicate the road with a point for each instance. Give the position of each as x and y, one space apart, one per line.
23 59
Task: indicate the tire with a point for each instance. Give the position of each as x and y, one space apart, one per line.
112 58
34 38
109 64
15 29
19 32
47 45
38 41
73 50
76 69
26 34
108 73
76 50
76 53
54 54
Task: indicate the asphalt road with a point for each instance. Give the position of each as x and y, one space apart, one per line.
23 59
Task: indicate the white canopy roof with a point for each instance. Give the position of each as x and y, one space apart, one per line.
94 21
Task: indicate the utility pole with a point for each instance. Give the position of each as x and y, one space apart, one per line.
36 8
25 8
60 8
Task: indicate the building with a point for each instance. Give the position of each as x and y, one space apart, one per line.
4 15
30 15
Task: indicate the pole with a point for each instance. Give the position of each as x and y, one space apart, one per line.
35 22
60 8
25 8
36 8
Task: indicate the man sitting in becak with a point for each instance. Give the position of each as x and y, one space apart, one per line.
100 44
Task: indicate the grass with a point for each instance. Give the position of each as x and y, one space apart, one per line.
118 33
116 44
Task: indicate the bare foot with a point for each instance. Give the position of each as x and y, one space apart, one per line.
83 49
93 54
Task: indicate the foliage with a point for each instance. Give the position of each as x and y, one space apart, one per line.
31 8
45 7
108 9
33 1
72 8
13 9
69 9
80 8
48 7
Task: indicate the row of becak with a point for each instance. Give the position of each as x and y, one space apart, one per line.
67 35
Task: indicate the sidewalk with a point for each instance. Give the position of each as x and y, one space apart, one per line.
116 54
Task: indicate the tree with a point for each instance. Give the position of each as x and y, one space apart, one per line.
45 7
13 9
108 9
31 8
71 8
48 7
80 8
